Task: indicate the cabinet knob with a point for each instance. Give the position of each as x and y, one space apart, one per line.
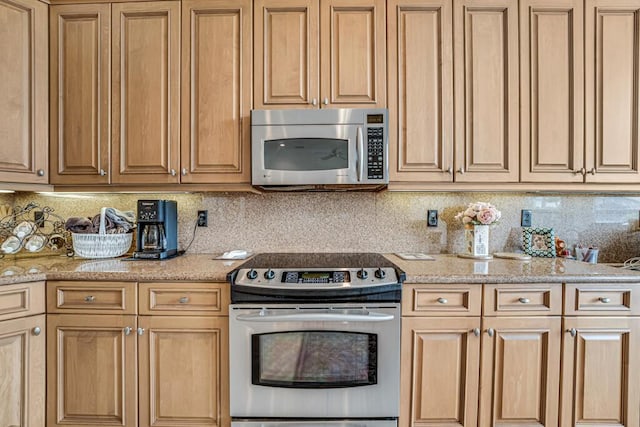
524 300
461 170
173 172
449 170
605 300
490 332
580 171
183 300
89 298
592 171
573 332
40 172
36 331
102 172
442 300
314 102
127 330
325 101
140 331
476 331
184 171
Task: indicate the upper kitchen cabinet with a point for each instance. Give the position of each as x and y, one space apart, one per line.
145 110
319 53
23 85
80 80
552 105
216 91
428 40
612 97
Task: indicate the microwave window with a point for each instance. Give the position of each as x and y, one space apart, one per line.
314 359
306 154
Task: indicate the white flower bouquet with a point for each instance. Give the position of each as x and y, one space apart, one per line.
479 213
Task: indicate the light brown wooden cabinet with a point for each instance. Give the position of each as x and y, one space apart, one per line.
319 54
109 364
24 84
441 50
22 355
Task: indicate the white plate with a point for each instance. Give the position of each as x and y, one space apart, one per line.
11 245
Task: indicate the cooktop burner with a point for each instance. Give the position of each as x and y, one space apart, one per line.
291 277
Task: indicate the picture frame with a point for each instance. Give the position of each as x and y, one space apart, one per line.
539 242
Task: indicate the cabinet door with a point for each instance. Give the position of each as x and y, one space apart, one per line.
486 90
420 90
353 53
80 73
520 371
216 91
612 73
439 371
22 372
184 368
286 53
551 90
91 370
24 79
601 372
146 92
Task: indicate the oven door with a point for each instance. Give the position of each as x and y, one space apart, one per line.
307 154
312 361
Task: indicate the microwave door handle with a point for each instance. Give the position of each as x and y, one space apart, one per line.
360 148
322 316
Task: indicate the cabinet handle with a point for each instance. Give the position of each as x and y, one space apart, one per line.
314 102
173 172
524 300
89 298
573 332
592 171
476 331
605 300
184 172
183 300
36 330
102 172
140 331
40 172
325 101
461 171
127 330
580 171
442 300
490 332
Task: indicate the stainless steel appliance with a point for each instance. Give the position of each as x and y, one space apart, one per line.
320 149
157 233
315 339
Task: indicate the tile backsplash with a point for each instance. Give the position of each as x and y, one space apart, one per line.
372 222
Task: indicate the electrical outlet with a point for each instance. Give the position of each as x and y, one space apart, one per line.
38 218
525 218
203 218
432 218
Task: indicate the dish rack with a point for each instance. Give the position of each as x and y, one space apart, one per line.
101 245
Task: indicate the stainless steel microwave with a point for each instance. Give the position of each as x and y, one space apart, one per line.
320 149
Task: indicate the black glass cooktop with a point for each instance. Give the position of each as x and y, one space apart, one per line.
318 260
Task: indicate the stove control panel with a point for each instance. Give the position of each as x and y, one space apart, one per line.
316 278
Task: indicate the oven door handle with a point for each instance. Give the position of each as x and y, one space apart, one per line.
323 316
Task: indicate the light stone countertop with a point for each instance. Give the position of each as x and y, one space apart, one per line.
204 268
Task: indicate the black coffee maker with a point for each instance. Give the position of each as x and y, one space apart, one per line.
157 229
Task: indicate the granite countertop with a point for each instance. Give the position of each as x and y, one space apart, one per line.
203 267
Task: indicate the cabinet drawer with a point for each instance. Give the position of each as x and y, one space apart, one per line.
601 299
22 299
184 299
438 300
94 297
523 300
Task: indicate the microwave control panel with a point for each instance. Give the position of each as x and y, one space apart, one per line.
375 153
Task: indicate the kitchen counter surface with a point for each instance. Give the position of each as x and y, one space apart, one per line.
203 267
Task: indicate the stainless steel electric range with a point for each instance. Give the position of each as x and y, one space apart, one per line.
315 340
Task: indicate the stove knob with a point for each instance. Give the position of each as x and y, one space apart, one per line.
362 274
380 273
252 274
269 274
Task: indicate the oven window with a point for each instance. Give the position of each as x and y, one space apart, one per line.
306 154
314 359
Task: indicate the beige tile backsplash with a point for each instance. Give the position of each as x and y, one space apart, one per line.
372 222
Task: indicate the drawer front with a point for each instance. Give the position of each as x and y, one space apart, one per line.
94 297
183 299
439 300
601 299
523 300
22 299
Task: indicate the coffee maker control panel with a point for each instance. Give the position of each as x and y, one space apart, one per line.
150 210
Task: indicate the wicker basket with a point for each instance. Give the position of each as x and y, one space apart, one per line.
101 245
